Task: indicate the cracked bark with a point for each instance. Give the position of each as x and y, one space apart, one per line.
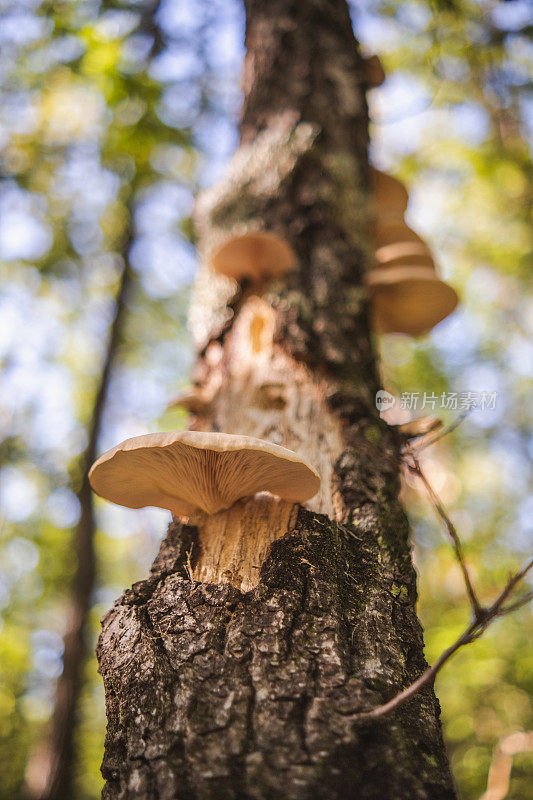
228 678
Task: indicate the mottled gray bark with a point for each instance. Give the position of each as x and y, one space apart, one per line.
215 693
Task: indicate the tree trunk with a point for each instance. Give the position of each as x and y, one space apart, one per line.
237 669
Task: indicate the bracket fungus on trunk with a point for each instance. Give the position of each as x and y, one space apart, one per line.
190 471
194 399
390 194
409 299
404 254
407 294
373 72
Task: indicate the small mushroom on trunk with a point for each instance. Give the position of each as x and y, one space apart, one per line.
390 194
254 255
407 294
191 471
373 72
409 300
391 229
194 400
404 253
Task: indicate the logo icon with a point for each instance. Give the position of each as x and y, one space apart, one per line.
384 400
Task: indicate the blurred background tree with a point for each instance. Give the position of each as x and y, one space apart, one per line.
111 115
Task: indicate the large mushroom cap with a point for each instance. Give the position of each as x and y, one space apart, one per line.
254 255
409 300
187 471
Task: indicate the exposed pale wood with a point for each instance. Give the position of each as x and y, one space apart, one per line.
265 393
233 544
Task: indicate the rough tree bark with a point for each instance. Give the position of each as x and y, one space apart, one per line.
237 668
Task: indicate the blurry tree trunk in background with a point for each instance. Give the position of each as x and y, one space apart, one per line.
238 668
50 771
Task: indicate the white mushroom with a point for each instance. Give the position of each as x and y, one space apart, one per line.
191 471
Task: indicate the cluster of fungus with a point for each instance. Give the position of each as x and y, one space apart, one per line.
189 472
407 294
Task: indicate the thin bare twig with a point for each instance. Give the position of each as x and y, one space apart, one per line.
512 582
452 532
443 432
527 598
482 617
472 632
